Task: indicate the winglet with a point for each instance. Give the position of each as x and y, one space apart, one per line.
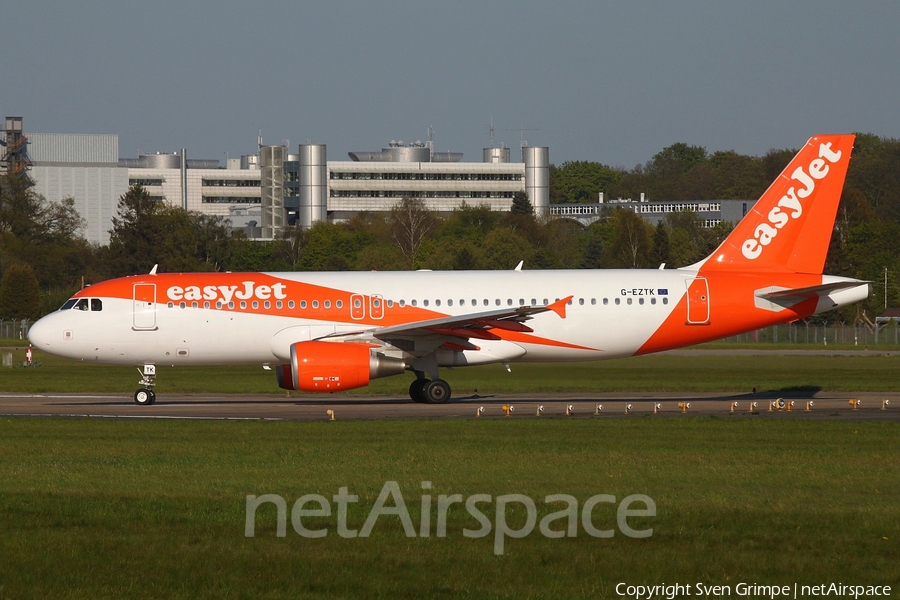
559 307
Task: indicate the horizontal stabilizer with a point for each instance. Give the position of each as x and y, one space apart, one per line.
776 298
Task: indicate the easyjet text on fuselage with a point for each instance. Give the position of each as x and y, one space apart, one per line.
226 293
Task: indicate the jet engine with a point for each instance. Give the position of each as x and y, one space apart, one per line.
334 366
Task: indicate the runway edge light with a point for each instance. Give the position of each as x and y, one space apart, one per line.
885 403
656 407
809 405
734 405
570 410
684 406
539 410
598 409
330 414
854 403
628 408
479 411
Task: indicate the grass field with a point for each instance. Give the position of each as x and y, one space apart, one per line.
655 373
139 509
150 509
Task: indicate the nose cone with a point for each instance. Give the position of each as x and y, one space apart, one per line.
41 334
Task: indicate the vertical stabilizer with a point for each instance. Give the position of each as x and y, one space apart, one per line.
790 227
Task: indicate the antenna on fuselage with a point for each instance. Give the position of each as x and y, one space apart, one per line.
153 270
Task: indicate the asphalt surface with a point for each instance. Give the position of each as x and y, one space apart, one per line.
315 407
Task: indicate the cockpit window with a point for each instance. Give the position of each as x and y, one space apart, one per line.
93 304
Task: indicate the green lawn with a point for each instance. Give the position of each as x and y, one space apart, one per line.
150 509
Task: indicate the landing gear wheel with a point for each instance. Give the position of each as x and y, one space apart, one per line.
145 396
437 391
417 390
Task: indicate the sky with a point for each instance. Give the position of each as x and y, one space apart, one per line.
613 82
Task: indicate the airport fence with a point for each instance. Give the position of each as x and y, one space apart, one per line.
802 333
14 329
799 333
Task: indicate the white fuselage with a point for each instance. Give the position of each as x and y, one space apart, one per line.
613 313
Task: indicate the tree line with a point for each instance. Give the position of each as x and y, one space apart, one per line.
43 258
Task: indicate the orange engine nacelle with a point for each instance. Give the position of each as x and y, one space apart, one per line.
334 366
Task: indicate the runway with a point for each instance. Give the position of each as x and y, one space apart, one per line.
315 407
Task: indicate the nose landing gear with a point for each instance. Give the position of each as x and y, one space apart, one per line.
146 396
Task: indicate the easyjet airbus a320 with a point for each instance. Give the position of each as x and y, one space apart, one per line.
327 332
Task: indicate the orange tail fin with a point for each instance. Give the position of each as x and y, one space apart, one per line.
790 227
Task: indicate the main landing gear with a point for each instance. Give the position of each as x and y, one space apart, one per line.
429 391
146 396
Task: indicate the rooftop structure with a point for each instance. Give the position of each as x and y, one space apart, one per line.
14 153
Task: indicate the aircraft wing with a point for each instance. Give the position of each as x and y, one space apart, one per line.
473 324
456 331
